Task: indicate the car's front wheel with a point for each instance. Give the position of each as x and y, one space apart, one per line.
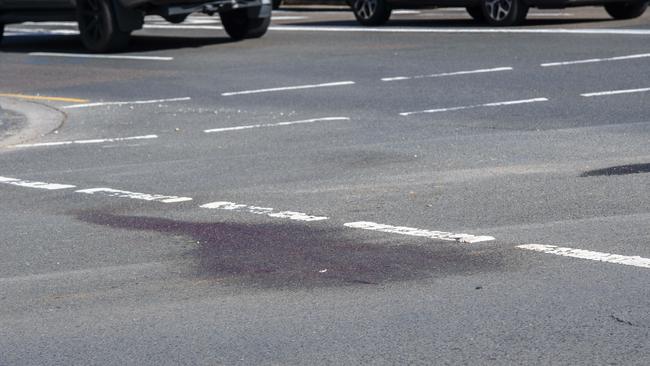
239 25
504 12
371 12
626 10
98 26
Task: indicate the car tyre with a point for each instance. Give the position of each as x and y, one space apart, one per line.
98 26
276 4
476 12
627 10
239 26
2 31
176 19
371 12
504 12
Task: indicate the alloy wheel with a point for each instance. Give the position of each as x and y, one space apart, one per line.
498 9
365 8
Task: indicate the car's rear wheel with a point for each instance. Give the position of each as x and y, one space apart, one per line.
476 12
239 26
626 10
504 12
98 26
371 12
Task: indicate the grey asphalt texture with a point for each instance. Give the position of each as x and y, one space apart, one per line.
97 280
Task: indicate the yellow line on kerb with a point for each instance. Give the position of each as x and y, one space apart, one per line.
38 97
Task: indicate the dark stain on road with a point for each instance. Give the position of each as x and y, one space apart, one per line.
285 255
618 170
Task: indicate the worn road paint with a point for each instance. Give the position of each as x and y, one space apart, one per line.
110 57
592 60
99 104
587 254
134 195
268 211
297 87
42 97
614 92
84 142
495 104
480 71
403 230
34 184
237 128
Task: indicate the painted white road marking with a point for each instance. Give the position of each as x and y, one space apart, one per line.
587 254
480 71
441 235
34 184
496 104
614 92
111 57
297 87
83 142
268 211
134 195
592 60
99 104
237 128
39 31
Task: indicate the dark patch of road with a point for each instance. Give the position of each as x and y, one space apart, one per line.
618 170
10 123
289 255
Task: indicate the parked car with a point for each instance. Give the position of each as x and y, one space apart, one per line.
494 12
106 25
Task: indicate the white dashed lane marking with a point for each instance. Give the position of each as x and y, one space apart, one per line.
268 211
593 60
285 88
403 230
86 142
110 192
496 104
238 128
615 92
587 254
456 73
34 184
110 57
134 102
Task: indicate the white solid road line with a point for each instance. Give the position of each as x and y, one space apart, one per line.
34 184
592 60
134 195
268 211
480 71
614 92
84 142
440 235
587 254
99 104
297 87
496 104
237 128
112 57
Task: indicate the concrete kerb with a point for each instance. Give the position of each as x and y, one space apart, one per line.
40 120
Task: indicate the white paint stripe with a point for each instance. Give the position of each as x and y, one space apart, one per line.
587 254
134 195
34 184
111 57
592 60
88 105
480 71
403 230
237 128
614 92
95 141
297 87
39 31
268 211
496 104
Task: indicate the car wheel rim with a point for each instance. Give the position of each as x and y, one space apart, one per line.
365 8
93 19
498 9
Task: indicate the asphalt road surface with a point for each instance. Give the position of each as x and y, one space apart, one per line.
428 192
